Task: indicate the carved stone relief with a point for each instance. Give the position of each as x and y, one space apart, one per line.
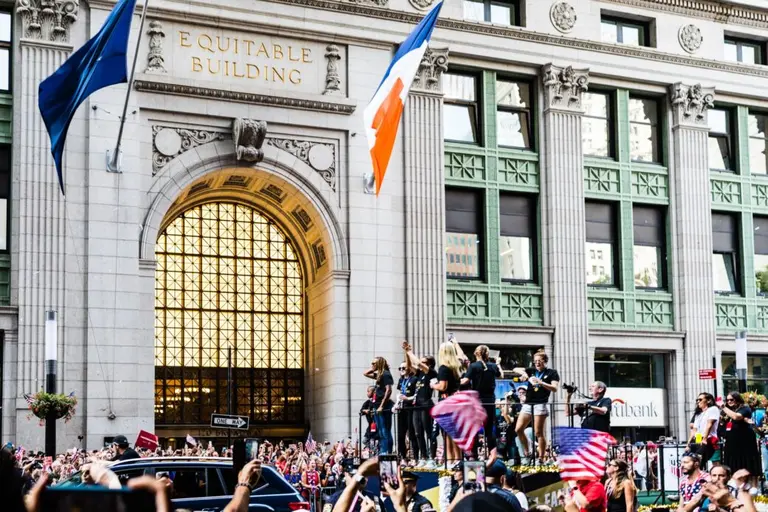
168 143
377 3
155 58
332 78
690 38
422 5
431 69
248 135
47 20
564 87
321 156
563 16
690 104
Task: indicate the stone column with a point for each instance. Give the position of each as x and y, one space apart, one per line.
563 226
425 206
691 223
38 221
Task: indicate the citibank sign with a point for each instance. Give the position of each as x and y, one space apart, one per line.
638 407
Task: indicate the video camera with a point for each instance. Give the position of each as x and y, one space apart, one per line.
570 388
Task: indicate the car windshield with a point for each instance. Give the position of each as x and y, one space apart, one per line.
76 479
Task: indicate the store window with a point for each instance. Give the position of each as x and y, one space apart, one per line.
625 31
500 12
746 51
601 243
760 226
5 51
757 144
757 373
644 130
630 370
596 125
720 140
725 253
513 114
460 116
649 250
463 226
517 219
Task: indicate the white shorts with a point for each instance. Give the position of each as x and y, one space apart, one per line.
535 409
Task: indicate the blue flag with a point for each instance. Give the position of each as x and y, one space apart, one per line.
100 62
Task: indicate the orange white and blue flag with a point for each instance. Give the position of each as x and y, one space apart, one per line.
382 115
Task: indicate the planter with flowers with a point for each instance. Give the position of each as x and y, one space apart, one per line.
42 403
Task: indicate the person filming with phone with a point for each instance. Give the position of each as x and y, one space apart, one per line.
596 413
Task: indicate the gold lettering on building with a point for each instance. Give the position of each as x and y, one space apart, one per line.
246 58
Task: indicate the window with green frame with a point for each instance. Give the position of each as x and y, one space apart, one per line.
757 373
493 11
463 232
725 253
758 143
602 243
760 226
5 194
650 243
721 140
630 370
5 51
597 125
744 50
615 29
517 240
513 114
461 118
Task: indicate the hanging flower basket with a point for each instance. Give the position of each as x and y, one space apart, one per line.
42 403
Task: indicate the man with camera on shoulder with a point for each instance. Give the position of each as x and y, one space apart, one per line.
595 414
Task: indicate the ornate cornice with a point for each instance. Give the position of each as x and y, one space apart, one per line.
707 9
690 105
431 69
346 108
564 87
47 20
520 34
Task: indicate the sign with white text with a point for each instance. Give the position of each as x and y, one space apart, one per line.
638 407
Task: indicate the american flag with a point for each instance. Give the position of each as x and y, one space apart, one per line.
461 416
310 446
581 452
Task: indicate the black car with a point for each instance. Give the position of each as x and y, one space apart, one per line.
208 483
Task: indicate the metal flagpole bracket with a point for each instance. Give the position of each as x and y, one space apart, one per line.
369 183
114 164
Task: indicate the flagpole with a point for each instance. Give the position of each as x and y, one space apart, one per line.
113 161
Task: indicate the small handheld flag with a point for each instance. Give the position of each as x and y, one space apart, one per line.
310 446
581 452
461 416
97 64
382 115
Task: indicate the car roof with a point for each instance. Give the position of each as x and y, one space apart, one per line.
221 461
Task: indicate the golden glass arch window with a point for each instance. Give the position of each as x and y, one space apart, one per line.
228 282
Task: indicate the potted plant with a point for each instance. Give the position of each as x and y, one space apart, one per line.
42 403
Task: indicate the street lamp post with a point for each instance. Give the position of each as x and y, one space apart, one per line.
51 356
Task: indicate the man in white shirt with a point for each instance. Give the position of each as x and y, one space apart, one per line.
704 434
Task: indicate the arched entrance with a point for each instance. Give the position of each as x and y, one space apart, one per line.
229 284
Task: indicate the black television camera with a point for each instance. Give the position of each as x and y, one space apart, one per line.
570 388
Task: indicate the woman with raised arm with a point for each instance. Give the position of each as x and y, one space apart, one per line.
379 371
422 419
542 382
447 383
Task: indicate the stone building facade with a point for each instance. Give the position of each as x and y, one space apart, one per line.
584 176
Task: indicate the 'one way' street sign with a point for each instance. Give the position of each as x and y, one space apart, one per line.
227 421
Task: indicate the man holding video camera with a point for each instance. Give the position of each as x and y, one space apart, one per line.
596 413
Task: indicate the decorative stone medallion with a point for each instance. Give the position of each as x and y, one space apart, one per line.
168 142
321 157
563 16
690 38
422 5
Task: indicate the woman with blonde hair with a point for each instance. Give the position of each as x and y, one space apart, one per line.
447 383
382 416
481 376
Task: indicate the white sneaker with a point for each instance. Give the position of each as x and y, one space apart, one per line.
430 464
421 464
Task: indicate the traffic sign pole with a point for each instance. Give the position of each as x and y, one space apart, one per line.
714 382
